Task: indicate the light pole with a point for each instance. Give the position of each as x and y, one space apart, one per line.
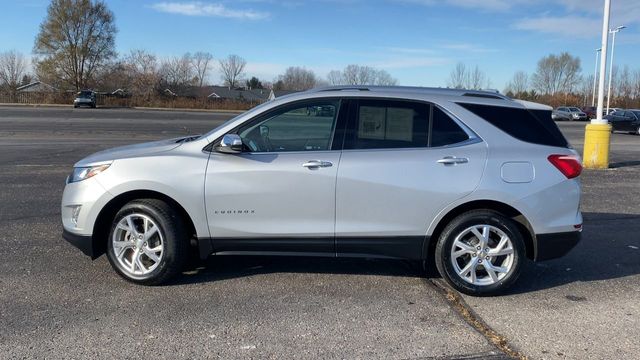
598 133
595 76
613 46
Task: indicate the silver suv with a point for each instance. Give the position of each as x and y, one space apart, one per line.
569 114
472 181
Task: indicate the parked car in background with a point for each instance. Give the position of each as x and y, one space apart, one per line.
85 98
568 113
591 111
625 120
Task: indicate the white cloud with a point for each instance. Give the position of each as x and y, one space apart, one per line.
571 26
583 18
198 8
485 5
468 47
407 62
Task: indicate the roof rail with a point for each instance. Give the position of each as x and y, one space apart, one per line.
342 88
484 95
415 89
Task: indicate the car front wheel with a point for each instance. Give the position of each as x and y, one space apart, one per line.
148 243
480 253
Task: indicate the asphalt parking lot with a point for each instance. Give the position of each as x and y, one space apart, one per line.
56 303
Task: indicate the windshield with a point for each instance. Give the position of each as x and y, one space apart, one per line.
85 94
574 109
637 113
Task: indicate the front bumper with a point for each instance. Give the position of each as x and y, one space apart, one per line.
555 245
83 242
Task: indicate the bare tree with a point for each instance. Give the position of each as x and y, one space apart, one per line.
384 78
142 70
477 79
200 61
360 75
13 67
463 78
75 39
334 77
636 85
556 73
458 78
625 87
585 89
142 62
297 79
232 69
519 83
178 71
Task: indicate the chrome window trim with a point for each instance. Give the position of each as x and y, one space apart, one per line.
469 141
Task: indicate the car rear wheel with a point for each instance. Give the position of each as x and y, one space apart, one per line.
480 253
148 243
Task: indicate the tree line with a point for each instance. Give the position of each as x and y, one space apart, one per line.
558 80
75 49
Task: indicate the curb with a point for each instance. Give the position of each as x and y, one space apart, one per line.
126 108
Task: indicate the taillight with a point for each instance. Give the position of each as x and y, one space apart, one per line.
568 165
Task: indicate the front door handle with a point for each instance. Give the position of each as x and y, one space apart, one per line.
314 164
452 160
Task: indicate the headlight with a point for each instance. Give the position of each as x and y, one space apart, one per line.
82 173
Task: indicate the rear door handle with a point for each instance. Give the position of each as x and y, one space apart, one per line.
314 164
452 160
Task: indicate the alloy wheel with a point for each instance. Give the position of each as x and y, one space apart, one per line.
482 255
138 244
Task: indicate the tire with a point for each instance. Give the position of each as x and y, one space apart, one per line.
509 260
161 255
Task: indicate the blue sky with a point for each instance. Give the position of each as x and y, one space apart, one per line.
416 41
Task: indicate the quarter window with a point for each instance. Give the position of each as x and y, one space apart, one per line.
307 127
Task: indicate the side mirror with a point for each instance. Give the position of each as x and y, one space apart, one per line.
230 144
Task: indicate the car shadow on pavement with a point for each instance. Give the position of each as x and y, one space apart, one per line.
609 249
229 267
623 164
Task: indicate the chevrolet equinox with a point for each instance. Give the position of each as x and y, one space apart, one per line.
473 182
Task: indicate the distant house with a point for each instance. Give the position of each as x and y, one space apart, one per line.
278 93
223 92
169 92
220 92
36 87
119 93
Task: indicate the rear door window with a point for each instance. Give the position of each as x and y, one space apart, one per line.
393 124
388 124
444 130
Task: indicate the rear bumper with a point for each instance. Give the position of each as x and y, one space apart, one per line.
82 242
555 245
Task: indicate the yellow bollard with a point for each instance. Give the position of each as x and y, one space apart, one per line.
596 146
